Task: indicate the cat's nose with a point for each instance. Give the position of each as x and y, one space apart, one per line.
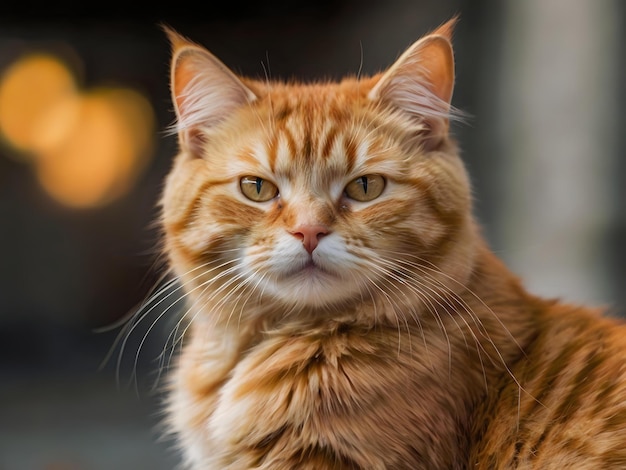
310 235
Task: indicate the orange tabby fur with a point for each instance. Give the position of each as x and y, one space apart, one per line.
326 332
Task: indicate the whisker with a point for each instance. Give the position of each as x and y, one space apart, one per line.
141 315
126 321
172 335
177 339
427 300
205 285
206 301
252 291
389 300
450 310
431 268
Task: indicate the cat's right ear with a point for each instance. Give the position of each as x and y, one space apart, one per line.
421 81
204 91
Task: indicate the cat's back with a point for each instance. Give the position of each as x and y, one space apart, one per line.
566 407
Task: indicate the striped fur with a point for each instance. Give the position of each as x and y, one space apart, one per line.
327 332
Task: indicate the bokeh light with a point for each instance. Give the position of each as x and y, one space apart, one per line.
87 147
28 88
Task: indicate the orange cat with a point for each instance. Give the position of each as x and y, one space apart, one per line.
344 311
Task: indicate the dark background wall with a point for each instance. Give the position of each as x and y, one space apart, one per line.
65 273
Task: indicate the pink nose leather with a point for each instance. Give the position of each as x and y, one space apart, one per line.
310 235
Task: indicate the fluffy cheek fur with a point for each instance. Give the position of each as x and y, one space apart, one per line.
204 231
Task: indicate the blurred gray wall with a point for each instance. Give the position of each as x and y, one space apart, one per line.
557 126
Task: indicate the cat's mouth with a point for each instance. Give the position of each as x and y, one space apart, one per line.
311 281
309 268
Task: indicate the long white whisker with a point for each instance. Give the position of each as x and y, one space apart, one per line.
252 291
427 300
430 267
177 339
133 316
450 309
389 300
216 308
204 285
156 304
172 335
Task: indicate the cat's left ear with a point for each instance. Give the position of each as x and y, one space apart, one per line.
204 91
420 83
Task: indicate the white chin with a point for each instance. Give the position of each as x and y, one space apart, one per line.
314 288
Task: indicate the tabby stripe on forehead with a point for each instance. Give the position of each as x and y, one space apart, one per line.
328 143
283 113
307 147
350 150
248 156
291 141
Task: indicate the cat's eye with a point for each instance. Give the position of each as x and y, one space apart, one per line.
257 189
365 188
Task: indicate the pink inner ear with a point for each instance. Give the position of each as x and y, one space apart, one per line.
423 76
420 83
437 63
182 75
205 93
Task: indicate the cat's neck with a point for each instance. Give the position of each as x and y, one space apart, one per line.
509 314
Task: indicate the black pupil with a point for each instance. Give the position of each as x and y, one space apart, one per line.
364 183
259 183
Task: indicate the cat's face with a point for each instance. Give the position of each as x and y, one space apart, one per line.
316 195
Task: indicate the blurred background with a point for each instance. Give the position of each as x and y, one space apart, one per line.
84 109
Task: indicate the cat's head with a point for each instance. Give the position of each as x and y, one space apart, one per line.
315 195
